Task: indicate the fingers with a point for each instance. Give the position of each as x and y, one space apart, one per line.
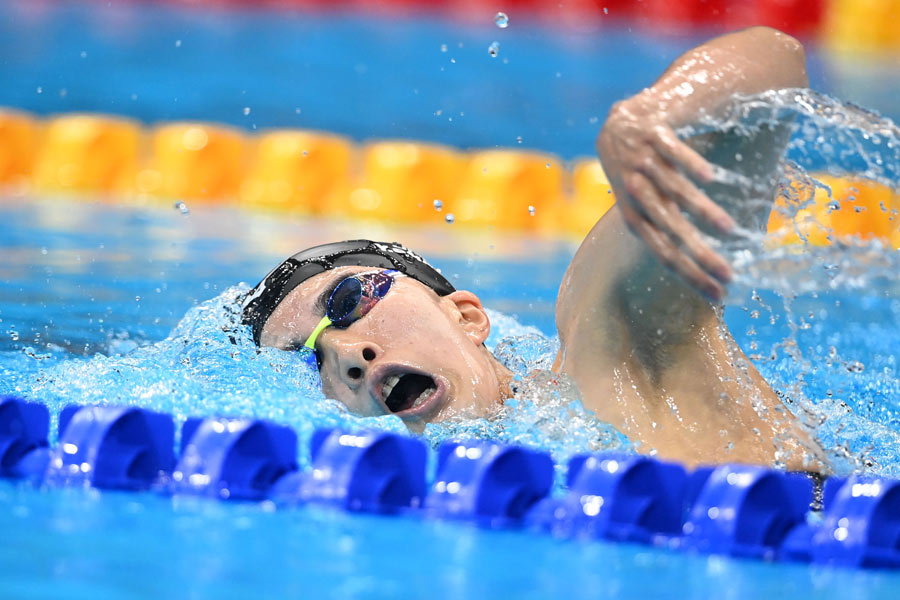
675 241
679 188
673 258
667 143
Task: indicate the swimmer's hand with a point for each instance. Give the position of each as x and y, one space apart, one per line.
651 173
655 175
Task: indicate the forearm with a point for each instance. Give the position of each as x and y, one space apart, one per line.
703 80
665 273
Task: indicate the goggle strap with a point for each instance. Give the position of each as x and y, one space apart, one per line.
311 341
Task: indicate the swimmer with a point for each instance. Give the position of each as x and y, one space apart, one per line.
637 313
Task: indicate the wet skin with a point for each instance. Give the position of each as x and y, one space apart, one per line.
411 331
640 336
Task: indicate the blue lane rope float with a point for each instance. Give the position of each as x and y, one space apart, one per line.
737 510
368 471
617 496
233 458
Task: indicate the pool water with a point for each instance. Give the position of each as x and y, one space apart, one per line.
102 303
96 285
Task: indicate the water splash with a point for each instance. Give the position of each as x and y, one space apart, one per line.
819 318
820 323
209 365
546 411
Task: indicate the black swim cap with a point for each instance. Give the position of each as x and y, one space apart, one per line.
262 300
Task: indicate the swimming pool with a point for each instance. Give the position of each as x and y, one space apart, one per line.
79 279
79 263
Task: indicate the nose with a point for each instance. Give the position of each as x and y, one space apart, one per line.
353 360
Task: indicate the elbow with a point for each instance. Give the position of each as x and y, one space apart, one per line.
789 54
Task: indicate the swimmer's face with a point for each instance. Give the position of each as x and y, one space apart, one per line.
414 354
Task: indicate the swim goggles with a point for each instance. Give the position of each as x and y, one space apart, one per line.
351 300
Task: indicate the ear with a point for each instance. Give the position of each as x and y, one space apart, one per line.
472 316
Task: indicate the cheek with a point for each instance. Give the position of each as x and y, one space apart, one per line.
407 325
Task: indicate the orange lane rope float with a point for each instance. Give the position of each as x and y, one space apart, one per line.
317 173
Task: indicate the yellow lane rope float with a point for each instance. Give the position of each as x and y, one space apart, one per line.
317 173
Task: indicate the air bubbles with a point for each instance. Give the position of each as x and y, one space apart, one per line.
501 20
518 139
438 205
443 47
246 110
449 218
531 210
182 207
178 43
494 49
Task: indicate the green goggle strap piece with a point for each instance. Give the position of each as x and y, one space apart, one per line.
311 340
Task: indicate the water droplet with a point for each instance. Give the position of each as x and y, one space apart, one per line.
438 205
178 43
83 54
246 110
501 20
518 139
297 111
449 218
605 11
134 96
40 90
531 210
494 49
181 206
137 298
443 47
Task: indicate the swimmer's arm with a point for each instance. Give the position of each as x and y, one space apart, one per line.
645 291
651 170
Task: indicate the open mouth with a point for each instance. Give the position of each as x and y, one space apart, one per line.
407 391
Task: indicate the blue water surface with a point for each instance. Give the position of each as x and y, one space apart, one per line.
549 88
90 293
94 289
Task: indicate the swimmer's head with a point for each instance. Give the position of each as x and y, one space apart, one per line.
403 340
